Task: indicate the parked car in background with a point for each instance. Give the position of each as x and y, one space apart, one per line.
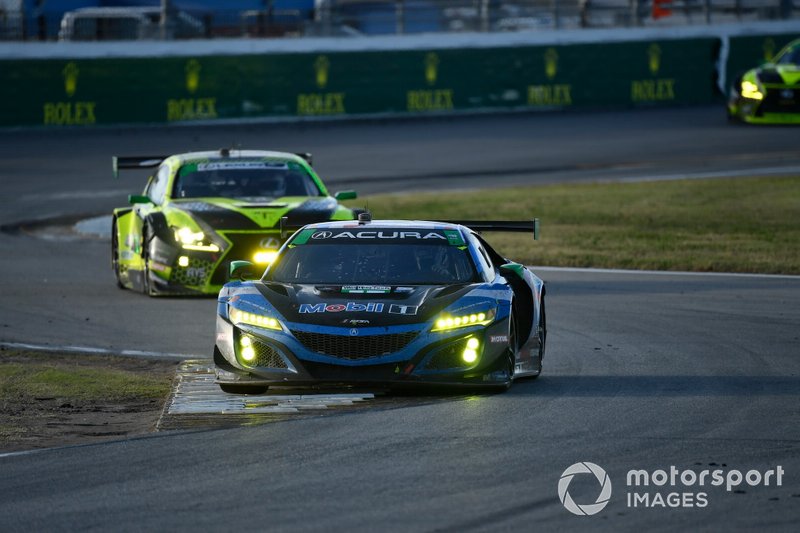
127 23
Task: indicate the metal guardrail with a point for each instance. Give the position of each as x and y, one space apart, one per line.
382 17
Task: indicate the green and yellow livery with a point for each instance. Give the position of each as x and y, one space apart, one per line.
199 211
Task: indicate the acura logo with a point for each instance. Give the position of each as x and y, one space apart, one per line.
322 235
269 242
787 93
354 332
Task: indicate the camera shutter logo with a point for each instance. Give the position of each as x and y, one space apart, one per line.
586 509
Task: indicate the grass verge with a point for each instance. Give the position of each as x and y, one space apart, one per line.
51 399
715 225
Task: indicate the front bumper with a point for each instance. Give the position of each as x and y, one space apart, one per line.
177 271
426 358
780 105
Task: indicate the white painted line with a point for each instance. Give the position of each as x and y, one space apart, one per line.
662 272
94 350
196 392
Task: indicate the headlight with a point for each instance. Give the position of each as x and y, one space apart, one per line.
194 240
750 90
446 322
238 316
265 257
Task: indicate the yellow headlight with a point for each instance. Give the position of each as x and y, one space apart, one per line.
474 319
252 319
750 90
194 240
265 257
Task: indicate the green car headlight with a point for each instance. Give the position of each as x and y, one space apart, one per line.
447 322
194 240
238 316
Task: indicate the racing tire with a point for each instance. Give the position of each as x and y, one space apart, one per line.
243 389
115 254
147 288
541 332
511 357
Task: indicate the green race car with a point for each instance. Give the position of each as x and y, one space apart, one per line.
769 94
202 210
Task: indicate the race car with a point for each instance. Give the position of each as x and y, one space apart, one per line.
769 94
388 303
202 210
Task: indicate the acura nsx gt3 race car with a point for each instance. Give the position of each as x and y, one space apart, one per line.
385 303
769 94
202 210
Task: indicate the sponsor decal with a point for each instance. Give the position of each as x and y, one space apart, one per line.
240 164
354 322
196 272
398 309
158 267
365 289
653 90
498 338
550 95
349 307
70 113
371 234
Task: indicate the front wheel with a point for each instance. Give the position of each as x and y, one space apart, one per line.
147 288
243 389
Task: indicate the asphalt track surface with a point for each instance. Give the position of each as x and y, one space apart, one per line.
643 371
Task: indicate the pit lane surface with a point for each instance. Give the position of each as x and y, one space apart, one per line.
643 371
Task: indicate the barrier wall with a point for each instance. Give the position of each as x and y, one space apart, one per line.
129 90
747 52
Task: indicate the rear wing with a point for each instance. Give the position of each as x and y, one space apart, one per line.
520 226
151 161
130 162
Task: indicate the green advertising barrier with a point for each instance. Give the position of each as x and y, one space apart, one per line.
83 92
745 53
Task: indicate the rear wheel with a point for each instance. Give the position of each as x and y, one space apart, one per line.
244 389
115 253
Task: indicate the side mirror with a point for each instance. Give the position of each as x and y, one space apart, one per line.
514 269
138 199
242 271
346 195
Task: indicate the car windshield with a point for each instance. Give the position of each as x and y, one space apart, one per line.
790 57
375 257
243 178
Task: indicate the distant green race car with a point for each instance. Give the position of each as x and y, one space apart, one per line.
202 210
769 94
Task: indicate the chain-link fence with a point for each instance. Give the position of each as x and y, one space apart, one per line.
379 17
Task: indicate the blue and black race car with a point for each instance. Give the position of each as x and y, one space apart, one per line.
382 303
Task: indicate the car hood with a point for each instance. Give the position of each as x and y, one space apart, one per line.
786 74
361 306
256 213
